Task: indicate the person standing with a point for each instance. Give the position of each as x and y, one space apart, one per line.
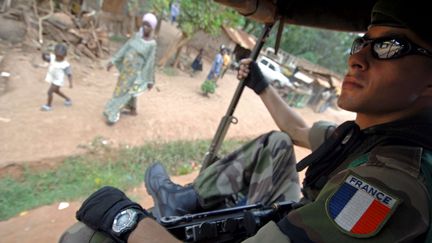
174 11
58 69
216 67
136 63
226 62
197 64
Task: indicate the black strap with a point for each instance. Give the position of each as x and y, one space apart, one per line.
329 145
330 154
279 34
294 233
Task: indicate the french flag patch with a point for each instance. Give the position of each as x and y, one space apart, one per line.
359 208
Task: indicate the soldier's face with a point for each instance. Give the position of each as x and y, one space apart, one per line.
382 87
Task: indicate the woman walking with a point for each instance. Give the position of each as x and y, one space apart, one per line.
136 64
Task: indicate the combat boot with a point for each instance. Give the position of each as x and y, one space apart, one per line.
170 199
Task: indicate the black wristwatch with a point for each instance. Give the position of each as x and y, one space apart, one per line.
126 221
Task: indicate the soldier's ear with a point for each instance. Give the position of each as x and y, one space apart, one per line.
428 90
428 85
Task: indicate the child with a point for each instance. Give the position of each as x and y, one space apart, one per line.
135 62
226 62
57 70
197 64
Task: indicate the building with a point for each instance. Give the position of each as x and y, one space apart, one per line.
238 41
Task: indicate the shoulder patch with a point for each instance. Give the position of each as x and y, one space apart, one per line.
359 208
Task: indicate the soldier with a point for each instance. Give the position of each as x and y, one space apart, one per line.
370 180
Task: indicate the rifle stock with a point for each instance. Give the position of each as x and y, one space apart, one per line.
211 155
225 225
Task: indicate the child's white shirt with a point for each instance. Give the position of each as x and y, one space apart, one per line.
57 71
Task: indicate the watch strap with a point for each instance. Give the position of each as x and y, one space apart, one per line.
141 213
126 234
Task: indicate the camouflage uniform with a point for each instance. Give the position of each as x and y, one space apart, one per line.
263 170
379 194
80 233
406 221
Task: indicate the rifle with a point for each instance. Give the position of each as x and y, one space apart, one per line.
225 225
211 155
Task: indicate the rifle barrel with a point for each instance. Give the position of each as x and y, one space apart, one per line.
222 129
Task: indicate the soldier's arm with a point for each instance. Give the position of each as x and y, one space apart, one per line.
150 231
363 203
287 119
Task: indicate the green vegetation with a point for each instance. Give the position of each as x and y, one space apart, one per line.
327 48
79 176
195 16
209 86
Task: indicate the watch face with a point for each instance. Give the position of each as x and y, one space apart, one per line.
124 221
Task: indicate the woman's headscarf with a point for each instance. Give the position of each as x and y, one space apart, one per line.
151 19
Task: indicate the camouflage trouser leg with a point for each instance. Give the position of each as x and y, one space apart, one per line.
263 170
80 233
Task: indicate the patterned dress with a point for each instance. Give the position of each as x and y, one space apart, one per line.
136 64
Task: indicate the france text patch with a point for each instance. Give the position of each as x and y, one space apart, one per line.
359 208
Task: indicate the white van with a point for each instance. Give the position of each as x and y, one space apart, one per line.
272 72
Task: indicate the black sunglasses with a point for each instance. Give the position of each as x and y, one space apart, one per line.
385 48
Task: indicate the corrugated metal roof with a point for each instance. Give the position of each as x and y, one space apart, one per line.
304 77
240 37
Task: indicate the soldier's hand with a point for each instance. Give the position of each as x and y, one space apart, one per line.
100 209
253 78
149 86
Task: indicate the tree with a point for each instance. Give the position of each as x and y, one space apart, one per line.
196 15
324 47
158 7
327 48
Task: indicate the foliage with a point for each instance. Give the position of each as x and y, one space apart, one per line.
136 7
78 176
159 7
195 16
207 16
327 48
324 47
208 86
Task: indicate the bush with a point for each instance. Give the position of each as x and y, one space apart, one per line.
209 86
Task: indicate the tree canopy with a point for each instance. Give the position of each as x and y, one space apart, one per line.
206 16
323 47
327 48
195 15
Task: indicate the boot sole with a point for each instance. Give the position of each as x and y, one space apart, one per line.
155 210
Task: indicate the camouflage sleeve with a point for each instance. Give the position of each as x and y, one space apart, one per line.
319 132
383 200
269 233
